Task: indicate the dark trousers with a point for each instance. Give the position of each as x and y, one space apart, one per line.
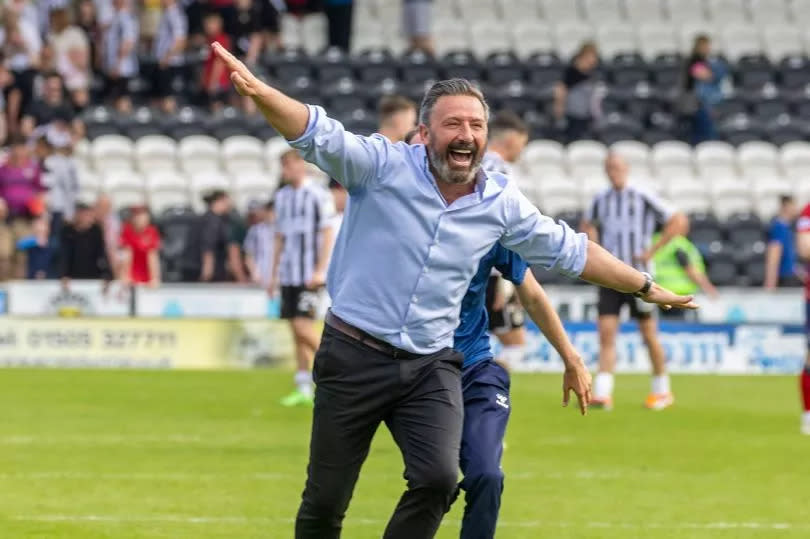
340 25
419 400
485 388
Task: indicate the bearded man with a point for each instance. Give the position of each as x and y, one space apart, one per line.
418 221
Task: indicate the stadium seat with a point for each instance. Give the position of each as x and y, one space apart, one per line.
704 230
617 127
478 10
794 158
722 271
451 36
569 36
757 158
672 156
199 153
155 152
515 11
744 227
530 36
543 152
657 38
690 29
502 68
730 195
740 128
641 11
781 40
600 11
202 182
687 193
242 153
618 38
591 186
684 11
794 72
544 71
560 10
637 154
740 40
769 11
724 11
162 200
111 152
558 194
585 157
715 157
767 190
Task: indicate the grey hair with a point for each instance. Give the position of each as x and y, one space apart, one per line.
449 87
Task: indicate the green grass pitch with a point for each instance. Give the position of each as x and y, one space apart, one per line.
114 454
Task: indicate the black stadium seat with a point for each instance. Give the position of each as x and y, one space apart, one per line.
740 128
461 64
721 268
754 72
794 73
704 231
627 70
616 127
503 68
417 66
332 65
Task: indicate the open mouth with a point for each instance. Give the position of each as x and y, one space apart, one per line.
460 158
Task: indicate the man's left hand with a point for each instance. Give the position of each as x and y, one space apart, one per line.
577 379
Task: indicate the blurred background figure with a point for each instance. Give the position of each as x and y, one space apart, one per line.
22 190
39 249
206 256
339 17
679 267
83 254
259 245
7 246
781 263
22 51
215 82
576 96
397 117
110 224
69 48
119 55
140 247
60 177
417 23
52 107
168 50
703 90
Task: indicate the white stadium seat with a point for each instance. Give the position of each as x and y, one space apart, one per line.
715 157
687 193
689 30
671 155
154 152
242 152
543 152
644 10
163 199
766 191
758 157
657 38
477 10
724 11
780 40
794 158
488 36
591 186
560 10
772 11
558 194
740 40
530 36
730 195
586 152
617 38
111 151
569 36
681 11
166 180
198 152
122 180
637 154
519 10
599 11
451 36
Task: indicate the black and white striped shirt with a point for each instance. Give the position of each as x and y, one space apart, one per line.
301 215
627 220
173 26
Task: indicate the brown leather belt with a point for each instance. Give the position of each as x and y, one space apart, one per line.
361 336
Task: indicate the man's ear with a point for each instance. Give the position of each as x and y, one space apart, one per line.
424 134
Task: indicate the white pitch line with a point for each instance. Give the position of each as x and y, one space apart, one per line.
272 476
243 520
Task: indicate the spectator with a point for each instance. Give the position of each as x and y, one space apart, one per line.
22 49
140 243
780 258
216 82
260 246
51 108
170 43
576 95
83 254
87 21
702 91
120 59
60 177
397 117
6 244
679 267
236 239
39 248
339 16
71 55
21 188
417 16
6 81
225 8
110 225
246 28
206 254
149 21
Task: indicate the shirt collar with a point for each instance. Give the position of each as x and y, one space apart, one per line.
486 185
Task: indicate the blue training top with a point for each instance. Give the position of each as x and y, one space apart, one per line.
472 334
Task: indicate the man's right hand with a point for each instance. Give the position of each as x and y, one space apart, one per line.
668 300
577 379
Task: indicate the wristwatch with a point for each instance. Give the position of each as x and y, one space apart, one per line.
644 290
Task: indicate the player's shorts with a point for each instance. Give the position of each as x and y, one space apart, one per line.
299 302
611 302
512 316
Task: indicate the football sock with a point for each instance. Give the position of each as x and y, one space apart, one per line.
805 384
603 385
660 384
303 381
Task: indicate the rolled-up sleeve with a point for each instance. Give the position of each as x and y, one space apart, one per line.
541 241
353 160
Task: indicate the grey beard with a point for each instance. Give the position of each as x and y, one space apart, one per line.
446 174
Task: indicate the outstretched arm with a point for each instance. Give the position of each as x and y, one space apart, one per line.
288 116
538 305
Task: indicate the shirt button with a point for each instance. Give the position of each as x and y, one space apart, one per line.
414 299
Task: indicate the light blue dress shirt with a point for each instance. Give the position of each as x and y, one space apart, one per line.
404 259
